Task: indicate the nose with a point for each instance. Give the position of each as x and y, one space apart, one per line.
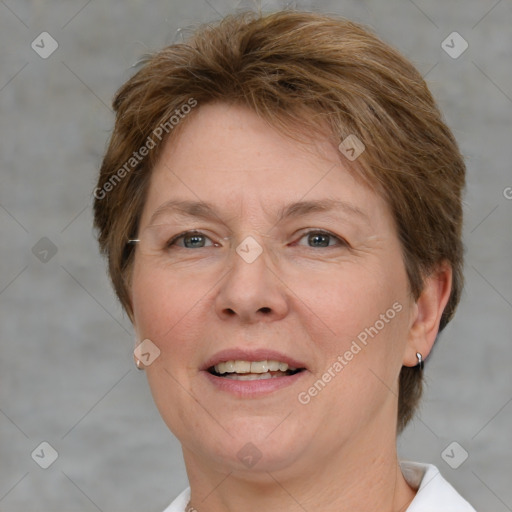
252 292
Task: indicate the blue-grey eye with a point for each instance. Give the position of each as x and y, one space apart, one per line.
319 239
190 240
322 239
193 241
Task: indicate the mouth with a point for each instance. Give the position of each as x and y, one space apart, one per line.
239 369
251 373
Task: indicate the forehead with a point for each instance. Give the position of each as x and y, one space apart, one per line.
229 157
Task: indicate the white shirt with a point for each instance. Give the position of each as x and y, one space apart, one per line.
433 493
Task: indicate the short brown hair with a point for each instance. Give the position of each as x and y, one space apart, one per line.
313 71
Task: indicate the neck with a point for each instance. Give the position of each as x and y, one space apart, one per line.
360 475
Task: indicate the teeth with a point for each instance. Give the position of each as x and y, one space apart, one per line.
259 367
250 376
254 367
273 366
242 367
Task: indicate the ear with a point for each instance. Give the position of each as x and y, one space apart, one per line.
427 312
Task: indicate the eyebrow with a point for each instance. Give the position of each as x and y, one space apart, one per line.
207 211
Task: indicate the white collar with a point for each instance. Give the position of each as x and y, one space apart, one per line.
434 493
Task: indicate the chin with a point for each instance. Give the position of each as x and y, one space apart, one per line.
257 447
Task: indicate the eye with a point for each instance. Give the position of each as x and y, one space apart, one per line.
316 238
198 240
191 240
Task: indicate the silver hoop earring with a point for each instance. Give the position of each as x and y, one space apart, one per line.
138 364
420 360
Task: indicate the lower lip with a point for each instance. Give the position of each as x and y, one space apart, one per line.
253 388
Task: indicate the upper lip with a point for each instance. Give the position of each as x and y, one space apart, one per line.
261 354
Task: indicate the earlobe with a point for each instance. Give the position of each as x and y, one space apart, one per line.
428 311
138 363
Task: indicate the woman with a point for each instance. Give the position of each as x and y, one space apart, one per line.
280 205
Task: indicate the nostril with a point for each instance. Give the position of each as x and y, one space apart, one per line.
265 310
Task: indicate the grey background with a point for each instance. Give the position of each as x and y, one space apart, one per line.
66 369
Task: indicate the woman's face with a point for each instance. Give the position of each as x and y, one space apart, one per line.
293 261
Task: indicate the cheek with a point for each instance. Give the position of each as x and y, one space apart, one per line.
358 320
166 311
163 303
361 350
351 298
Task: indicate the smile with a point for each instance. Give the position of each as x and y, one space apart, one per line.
252 370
